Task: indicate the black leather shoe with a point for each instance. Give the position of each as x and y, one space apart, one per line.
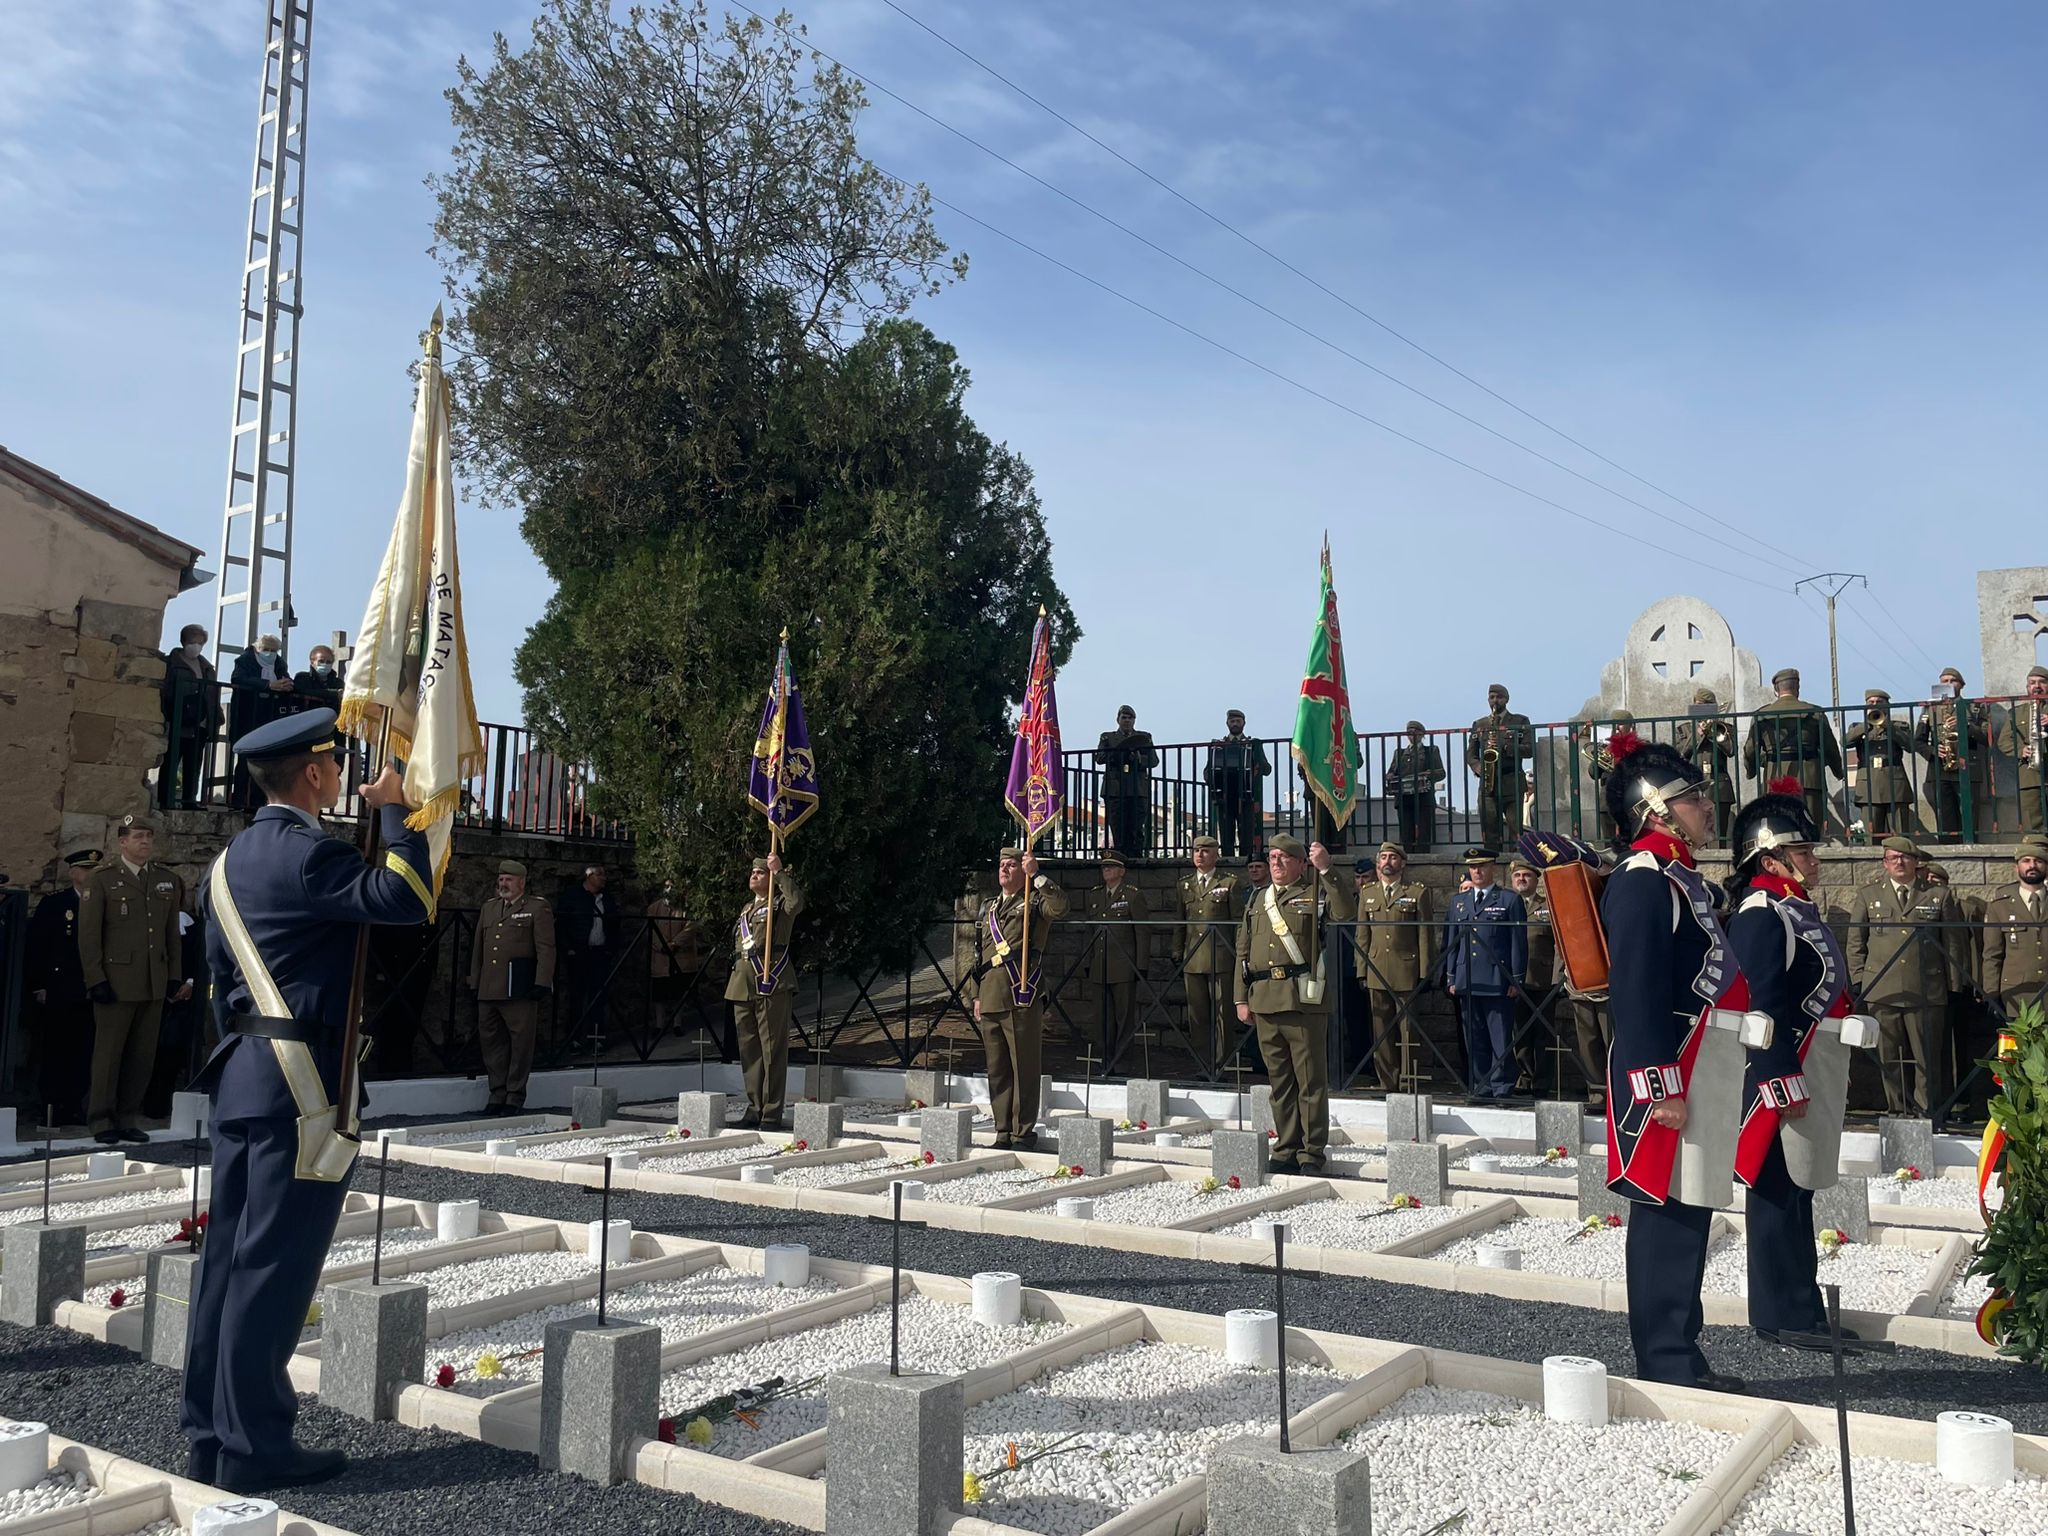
750 1120
108 1138
1004 1143
202 1463
1721 1381
1310 1165
1028 1142
495 1107
1280 1165
297 1467
139 1138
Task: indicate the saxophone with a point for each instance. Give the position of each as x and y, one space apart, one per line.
1603 754
1945 734
1489 755
2030 740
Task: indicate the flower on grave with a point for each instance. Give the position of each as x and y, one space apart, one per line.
970 1488
665 1430
1208 1185
674 1133
1272 1135
1059 1172
917 1103
698 1430
1235 1182
1143 1126
489 1365
1010 1460
1405 1203
1907 1175
1832 1240
445 1376
1556 1155
685 1136
1075 1170
313 1315
1123 1125
1612 1219
929 1158
118 1299
802 1146
575 1125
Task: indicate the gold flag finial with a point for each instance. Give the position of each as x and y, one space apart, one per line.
1041 610
431 342
785 634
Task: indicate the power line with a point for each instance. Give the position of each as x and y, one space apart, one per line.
1924 656
1331 400
1881 634
1274 256
1265 309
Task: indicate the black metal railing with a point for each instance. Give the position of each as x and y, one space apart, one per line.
523 787
1920 769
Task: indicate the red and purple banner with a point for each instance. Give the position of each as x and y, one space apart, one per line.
1037 789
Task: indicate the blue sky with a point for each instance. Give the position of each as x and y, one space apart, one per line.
1782 260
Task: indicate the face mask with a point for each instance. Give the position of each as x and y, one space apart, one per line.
194 647
324 668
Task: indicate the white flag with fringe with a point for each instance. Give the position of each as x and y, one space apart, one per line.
410 666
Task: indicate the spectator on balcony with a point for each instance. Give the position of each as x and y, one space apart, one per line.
590 938
319 686
1235 772
1412 777
1883 747
2023 737
262 693
192 715
1956 733
1127 758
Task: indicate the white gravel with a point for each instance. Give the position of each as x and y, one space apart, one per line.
935 1336
356 1250
160 1528
1874 1277
873 1109
583 1146
1347 1224
104 1205
1436 1452
1525 1163
1938 1193
154 1235
1350 1162
56 1491
978 1188
498 1274
1802 1491
681 1308
1166 1200
17 1180
1147 1416
475 1133
1965 1296
826 1175
665 1160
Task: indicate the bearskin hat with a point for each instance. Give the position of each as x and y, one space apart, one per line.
1646 775
1778 819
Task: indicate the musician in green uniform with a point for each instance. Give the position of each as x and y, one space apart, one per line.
2023 737
1883 748
762 988
1956 734
1203 949
1007 1002
1495 749
1790 736
1282 990
1707 740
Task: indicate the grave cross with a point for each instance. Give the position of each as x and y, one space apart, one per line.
604 1238
49 1147
1836 1345
1089 1062
1237 1070
817 1061
949 1052
377 1236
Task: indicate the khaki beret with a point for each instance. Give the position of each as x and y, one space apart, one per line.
1784 675
1518 862
511 867
1952 672
1876 693
2035 846
1286 842
1394 848
1206 841
1703 695
1934 872
1012 852
1499 688
1414 725
760 867
1233 714
1621 714
1904 845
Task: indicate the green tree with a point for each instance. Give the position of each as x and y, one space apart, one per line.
682 355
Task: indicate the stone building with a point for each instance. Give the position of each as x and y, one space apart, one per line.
2012 615
82 598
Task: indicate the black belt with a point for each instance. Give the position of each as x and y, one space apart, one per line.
282 1029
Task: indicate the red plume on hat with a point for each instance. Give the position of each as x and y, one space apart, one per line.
1621 743
1784 784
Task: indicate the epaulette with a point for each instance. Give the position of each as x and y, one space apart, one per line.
1755 898
1642 858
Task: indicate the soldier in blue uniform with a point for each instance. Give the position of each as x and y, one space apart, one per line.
1796 973
1486 958
1670 963
285 903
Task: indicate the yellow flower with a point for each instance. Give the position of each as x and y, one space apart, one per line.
489 1365
698 1431
1209 1185
313 1315
970 1488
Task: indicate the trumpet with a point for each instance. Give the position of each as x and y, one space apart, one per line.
2030 743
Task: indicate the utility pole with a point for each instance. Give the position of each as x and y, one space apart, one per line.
1831 585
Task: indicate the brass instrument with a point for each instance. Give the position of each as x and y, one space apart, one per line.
2030 741
1945 735
1489 753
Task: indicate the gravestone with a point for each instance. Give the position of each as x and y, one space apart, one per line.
593 1108
1262 1110
701 1114
948 1134
1145 1099
1560 1123
1845 1207
171 1278
922 1086
1254 1488
1595 1198
44 1264
600 1389
820 1126
1410 1117
1906 1142
1085 1142
372 1342
1419 1168
894 1456
1242 1154
823 1082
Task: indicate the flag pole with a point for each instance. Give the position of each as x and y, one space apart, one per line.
346 1089
775 799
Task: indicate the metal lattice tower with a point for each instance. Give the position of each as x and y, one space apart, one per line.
255 593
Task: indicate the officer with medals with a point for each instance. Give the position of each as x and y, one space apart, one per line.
1007 1004
762 989
1795 972
1670 964
285 905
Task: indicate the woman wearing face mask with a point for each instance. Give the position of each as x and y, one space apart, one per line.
192 715
319 686
262 692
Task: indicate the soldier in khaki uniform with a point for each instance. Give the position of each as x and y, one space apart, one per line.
762 989
1526 880
1956 734
1970 1033
1497 746
2023 737
129 956
1203 949
1006 1002
1397 942
1413 774
1905 952
2016 932
1282 989
1116 956
511 968
1790 736
1708 741
1883 749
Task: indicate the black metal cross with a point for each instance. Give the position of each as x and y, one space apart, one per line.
1838 1346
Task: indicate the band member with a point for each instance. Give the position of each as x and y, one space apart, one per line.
1413 773
1499 742
1796 973
1670 964
1234 772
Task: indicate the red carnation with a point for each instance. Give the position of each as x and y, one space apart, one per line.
1236 1182
118 1299
1784 784
665 1430
931 1157
686 1133
1621 743
202 1217
1075 1170
1272 1135
445 1376
1143 1126
803 1146
575 1125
